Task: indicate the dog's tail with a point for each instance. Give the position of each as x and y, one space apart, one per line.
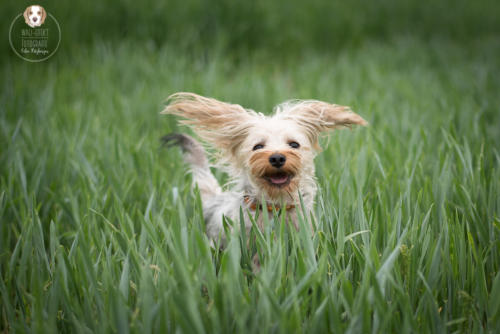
195 156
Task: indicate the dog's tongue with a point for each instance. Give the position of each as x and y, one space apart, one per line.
279 179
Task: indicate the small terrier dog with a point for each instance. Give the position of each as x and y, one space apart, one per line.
269 158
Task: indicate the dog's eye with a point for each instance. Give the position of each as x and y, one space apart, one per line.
294 144
31 12
38 13
257 147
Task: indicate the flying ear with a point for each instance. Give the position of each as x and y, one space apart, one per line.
221 124
317 116
320 116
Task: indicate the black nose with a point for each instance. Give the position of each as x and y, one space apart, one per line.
277 160
35 19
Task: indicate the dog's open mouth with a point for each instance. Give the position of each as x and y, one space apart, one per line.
279 179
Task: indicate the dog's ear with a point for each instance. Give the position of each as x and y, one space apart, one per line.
320 116
44 15
221 124
25 14
317 116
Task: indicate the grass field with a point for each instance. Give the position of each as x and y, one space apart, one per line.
100 232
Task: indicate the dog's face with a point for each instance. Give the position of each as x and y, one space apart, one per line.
275 155
35 16
272 152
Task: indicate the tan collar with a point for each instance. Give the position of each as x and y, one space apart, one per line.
254 205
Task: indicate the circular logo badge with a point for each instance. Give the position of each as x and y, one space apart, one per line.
35 34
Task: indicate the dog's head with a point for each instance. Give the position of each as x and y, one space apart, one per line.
35 16
273 153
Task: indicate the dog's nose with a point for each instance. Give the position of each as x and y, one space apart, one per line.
277 160
35 19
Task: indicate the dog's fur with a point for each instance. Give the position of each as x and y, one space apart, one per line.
245 141
34 16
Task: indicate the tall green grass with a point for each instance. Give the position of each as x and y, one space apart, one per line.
100 231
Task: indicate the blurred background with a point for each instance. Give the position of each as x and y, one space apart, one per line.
405 66
414 69
276 28
282 49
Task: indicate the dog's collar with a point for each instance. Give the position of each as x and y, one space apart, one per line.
254 205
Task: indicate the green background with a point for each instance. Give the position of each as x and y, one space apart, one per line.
100 232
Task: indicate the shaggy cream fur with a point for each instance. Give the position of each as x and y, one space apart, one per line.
269 158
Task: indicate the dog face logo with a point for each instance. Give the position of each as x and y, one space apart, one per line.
34 16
